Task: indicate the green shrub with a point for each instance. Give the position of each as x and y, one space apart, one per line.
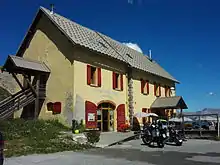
36 136
93 136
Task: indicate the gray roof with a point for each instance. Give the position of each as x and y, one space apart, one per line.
22 63
101 43
175 102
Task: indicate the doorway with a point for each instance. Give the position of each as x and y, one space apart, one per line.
105 117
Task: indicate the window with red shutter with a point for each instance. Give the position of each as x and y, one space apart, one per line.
117 80
157 90
167 91
93 76
145 87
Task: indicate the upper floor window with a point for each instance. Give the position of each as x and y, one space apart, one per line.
167 91
157 89
93 76
117 80
145 87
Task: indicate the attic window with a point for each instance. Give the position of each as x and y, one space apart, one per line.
129 55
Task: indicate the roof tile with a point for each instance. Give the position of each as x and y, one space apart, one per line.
90 39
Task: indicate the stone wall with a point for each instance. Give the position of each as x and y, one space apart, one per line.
7 82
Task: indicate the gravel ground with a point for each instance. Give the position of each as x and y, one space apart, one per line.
193 152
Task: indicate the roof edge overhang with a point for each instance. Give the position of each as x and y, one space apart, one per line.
11 66
180 104
29 34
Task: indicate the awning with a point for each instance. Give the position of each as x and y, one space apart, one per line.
15 64
175 102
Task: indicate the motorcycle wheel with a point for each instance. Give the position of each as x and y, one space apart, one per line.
178 142
146 140
160 144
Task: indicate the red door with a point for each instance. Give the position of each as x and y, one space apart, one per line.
90 114
120 115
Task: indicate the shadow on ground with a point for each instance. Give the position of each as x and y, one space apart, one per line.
156 157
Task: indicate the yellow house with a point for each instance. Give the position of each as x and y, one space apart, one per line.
72 72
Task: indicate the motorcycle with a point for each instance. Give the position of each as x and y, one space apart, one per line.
174 136
154 133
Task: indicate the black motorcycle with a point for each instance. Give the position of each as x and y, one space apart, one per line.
154 134
174 136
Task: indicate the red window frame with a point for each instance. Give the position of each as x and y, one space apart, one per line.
145 84
155 90
114 81
99 76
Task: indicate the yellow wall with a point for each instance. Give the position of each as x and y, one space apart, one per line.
145 101
68 79
83 92
60 82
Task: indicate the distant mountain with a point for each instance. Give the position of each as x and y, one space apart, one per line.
204 111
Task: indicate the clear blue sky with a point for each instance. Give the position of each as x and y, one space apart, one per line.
184 35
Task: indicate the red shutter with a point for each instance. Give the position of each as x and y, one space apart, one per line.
90 108
99 77
120 116
113 80
142 85
155 89
121 80
159 90
88 74
169 92
148 90
165 87
57 108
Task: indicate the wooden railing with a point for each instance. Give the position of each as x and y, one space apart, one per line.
19 100
15 102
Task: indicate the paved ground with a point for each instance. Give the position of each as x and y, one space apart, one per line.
193 152
108 138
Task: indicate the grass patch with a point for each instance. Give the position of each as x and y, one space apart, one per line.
25 137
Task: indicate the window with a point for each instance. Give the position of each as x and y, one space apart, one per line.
157 90
93 76
167 91
117 81
145 87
